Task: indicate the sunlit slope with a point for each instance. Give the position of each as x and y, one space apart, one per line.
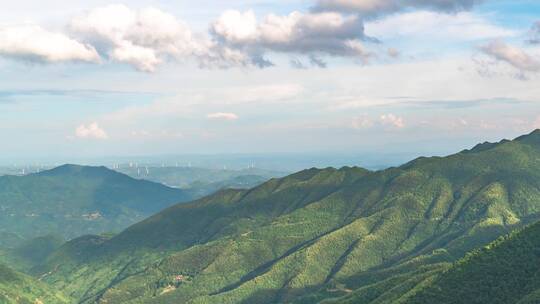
314 235
75 200
16 288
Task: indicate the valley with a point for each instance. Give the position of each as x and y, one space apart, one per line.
345 235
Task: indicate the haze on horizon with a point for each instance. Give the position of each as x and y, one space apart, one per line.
101 78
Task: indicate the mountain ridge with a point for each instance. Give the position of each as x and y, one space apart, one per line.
73 200
316 234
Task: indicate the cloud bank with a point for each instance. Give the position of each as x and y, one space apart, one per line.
149 37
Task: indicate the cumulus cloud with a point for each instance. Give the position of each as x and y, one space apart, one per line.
514 56
222 116
91 131
146 38
33 43
309 34
373 8
535 33
392 120
143 38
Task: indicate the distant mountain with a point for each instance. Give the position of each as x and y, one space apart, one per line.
201 181
320 235
16 288
506 271
71 201
201 189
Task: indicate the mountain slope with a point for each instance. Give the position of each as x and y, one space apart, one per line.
16 288
31 252
314 235
74 200
506 271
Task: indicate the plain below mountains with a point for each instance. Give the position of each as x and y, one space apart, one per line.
317 236
71 201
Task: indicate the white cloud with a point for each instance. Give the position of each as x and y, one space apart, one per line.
146 38
236 27
329 33
143 38
144 59
464 26
222 116
511 55
33 43
392 120
91 131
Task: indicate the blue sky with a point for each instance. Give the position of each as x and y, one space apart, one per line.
98 78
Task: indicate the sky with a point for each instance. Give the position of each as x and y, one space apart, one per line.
96 78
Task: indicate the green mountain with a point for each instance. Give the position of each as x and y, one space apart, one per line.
16 288
71 201
506 271
346 236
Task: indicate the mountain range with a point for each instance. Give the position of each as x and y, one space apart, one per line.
345 235
70 201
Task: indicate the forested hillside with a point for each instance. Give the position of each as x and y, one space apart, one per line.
506 271
347 235
72 201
